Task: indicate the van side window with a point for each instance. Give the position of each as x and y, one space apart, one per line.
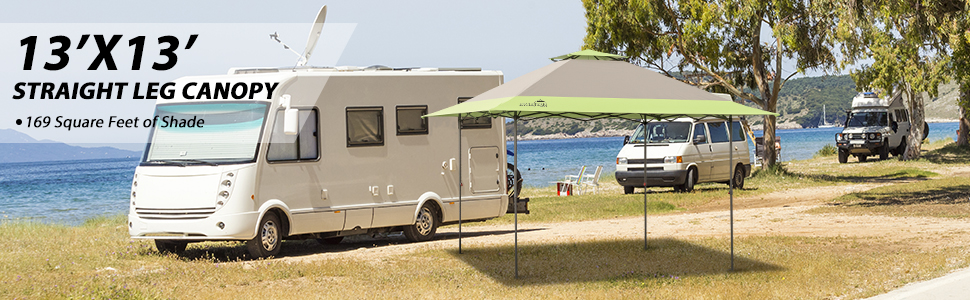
409 120
365 126
718 132
303 146
473 122
699 131
737 132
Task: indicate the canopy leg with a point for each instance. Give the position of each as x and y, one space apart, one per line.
515 192
731 182
643 122
459 184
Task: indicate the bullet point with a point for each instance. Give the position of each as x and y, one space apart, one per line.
19 122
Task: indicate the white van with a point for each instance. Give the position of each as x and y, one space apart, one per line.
682 153
358 157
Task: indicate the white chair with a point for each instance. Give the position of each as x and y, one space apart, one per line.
573 181
592 180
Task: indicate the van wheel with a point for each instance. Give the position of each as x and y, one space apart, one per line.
627 190
688 185
170 246
739 177
843 156
425 225
268 237
862 158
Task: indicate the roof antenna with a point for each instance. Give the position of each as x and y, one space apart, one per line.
311 40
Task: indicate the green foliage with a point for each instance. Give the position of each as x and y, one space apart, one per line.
827 150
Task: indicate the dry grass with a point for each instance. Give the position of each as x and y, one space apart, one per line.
98 260
945 198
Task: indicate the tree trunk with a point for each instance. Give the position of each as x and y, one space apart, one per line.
769 134
963 136
915 138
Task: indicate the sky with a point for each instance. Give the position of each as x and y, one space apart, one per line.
514 37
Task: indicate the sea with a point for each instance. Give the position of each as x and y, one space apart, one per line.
70 192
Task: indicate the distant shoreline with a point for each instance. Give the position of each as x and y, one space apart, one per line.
618 133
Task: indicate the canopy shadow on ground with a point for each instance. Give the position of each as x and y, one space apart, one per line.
236 251
945 195
605 261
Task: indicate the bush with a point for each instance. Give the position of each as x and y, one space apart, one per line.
828 150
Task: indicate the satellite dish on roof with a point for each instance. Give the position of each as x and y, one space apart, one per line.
311 42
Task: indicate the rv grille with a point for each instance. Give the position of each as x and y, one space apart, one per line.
175 213
649 161
648 169
857 136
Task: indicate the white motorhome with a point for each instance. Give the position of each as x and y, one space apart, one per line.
682 153
325 153
875 126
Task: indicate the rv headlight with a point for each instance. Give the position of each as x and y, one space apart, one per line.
621 160
673 159
872 136
224 194
227 183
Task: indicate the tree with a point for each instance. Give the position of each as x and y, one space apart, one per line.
909 42
718 45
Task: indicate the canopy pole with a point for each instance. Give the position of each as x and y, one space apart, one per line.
731 183
459 184
643 122
515 192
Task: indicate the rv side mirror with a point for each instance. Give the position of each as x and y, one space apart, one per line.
700 139
291 121
291 118
626 139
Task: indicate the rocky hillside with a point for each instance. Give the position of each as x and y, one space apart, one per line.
800 105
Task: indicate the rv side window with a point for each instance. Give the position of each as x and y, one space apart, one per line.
300 147
737 132
718 132
365 126
699 131
473 122
409 120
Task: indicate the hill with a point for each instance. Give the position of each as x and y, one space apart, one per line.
800 105
19 147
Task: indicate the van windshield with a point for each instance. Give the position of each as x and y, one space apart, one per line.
863 119
224 132
663 132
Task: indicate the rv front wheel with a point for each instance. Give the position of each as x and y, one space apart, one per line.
169 246
268 237
425 225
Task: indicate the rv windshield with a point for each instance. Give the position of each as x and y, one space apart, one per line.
663 132
225 132
863 119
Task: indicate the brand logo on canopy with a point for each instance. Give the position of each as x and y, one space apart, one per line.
537 103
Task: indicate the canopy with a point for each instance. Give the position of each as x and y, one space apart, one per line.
593 89
590 85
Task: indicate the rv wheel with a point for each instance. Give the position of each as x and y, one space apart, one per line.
843 156
512 172
425 225
170 246
268 237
